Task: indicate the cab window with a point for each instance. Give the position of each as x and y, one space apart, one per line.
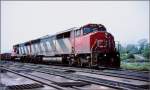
77 33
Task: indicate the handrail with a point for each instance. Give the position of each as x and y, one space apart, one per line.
92 51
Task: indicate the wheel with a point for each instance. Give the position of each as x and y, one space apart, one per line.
118 62
117 59
80 63
71 61
89 64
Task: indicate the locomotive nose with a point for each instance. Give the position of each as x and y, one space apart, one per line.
99 42
99 38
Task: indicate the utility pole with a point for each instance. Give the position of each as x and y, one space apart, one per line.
118 45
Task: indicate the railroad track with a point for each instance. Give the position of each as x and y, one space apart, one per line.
36 76
90 77
128 74
101 81
58 86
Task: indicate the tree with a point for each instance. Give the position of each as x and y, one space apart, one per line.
132 49
142 43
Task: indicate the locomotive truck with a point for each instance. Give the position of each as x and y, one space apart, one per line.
89 45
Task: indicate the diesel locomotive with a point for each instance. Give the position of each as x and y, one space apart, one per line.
89 45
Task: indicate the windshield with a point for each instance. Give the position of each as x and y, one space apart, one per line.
87 30
92 28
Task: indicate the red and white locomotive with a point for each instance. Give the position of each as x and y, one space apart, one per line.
88 45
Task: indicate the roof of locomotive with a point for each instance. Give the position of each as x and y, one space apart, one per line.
48 36
43 37
75 28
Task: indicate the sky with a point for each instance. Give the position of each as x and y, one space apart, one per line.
127 21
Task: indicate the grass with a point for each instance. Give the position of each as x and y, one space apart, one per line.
144 66
131 63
